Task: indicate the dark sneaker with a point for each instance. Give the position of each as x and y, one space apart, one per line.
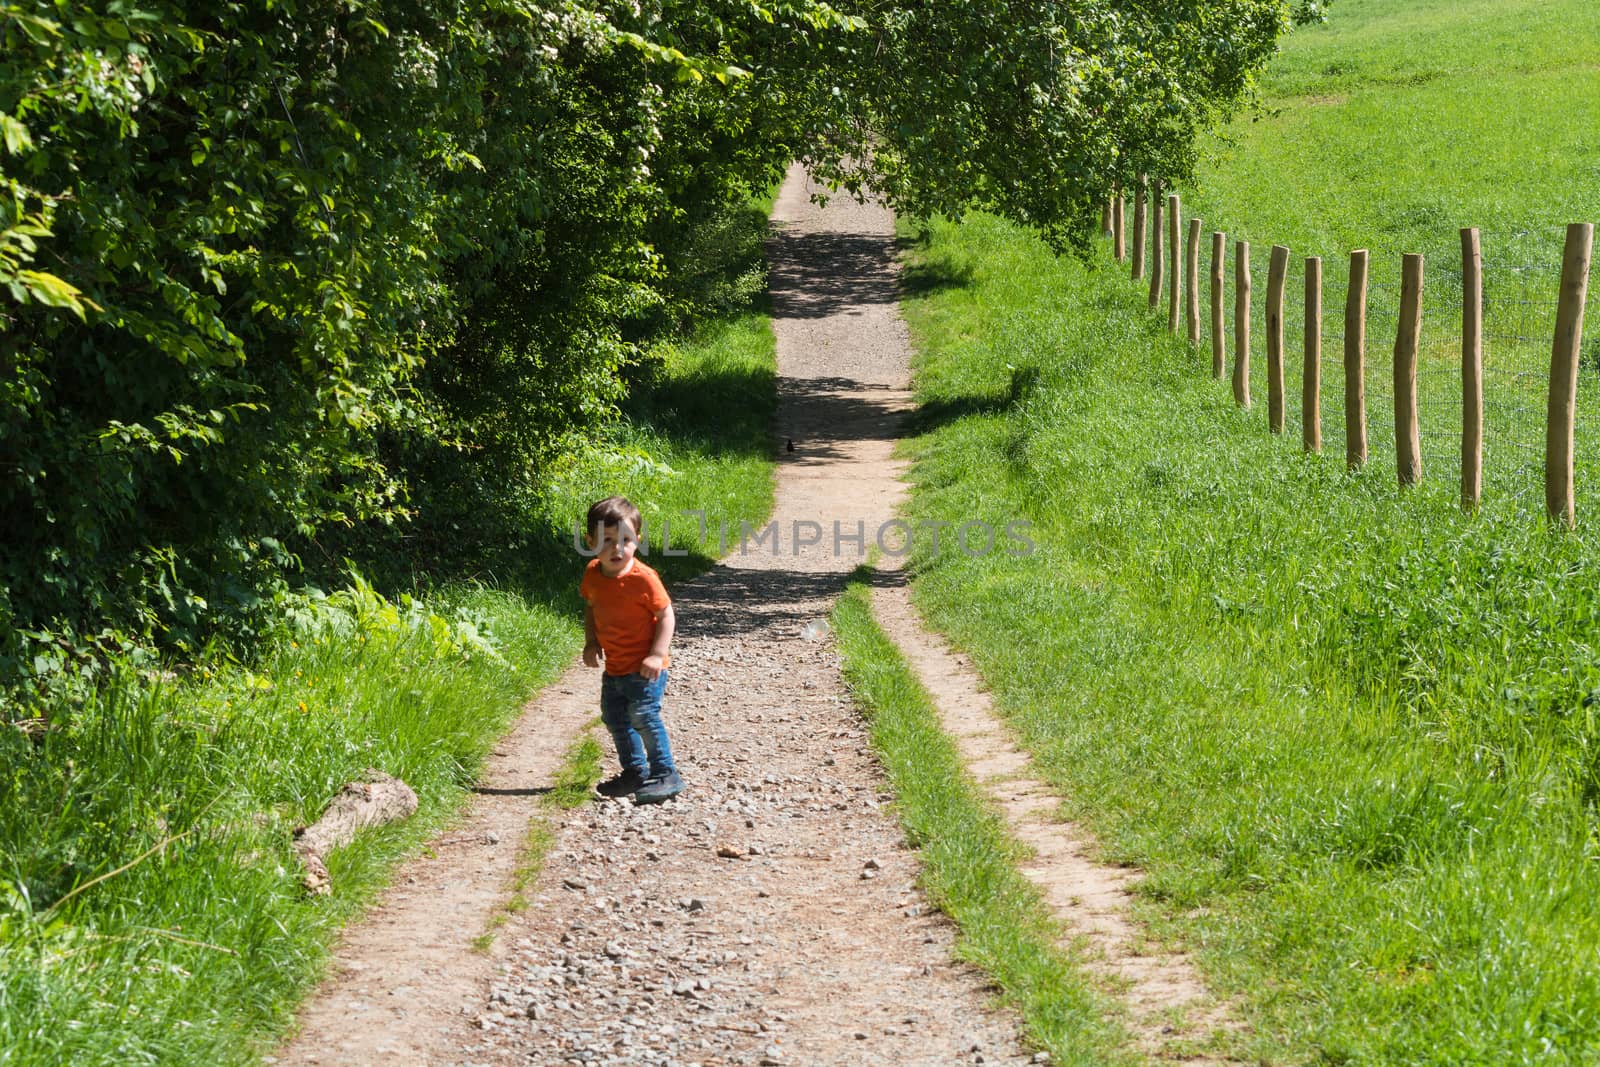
656 790
623 784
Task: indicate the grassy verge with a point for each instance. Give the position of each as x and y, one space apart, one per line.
199 951
969 861
1350 733
150 907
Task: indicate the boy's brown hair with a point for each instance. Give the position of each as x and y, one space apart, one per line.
610 512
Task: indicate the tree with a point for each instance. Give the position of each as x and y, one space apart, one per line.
274 271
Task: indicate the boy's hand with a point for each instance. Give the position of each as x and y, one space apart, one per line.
592 655
650 669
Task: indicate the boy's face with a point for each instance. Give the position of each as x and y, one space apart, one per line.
615 548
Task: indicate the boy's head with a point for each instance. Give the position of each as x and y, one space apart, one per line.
613 532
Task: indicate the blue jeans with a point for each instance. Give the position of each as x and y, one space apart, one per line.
630 706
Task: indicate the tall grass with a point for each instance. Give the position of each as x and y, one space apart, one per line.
189 953
150 903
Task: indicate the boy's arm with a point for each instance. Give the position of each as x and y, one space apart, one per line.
592 653
665 623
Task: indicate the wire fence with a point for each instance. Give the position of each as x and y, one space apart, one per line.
1521 280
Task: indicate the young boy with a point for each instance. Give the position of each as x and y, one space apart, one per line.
627 621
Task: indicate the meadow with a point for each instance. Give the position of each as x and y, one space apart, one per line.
1389 128
1394 123
1350 732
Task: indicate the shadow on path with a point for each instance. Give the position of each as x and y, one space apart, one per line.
818 275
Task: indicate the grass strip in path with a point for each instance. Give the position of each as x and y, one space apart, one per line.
970 864
571 787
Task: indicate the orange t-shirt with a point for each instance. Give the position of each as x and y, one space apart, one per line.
625 610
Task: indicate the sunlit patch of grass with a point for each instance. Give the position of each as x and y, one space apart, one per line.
1349 732
1396 122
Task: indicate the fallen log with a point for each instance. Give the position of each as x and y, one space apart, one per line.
378 800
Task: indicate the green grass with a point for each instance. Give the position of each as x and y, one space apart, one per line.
576 777
1397 122
1347 730
1390 128
578 774
233 762
199 952
698 439
1351 733
969 862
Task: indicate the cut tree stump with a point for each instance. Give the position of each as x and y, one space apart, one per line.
378 800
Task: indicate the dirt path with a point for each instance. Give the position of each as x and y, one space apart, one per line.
1170 1011
407 971
770 914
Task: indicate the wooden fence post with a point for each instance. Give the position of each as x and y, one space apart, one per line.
1156 241
1277 278
1174 263
1191 309
1471 369
1558 442
1311 369
1355 363
1119 245
1219 326
1407 340
1105 217
1137 257
1241 323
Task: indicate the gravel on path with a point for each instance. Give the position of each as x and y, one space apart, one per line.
769 915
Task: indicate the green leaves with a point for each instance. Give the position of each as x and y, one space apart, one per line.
48 290
409 250
685 68
14 135
1036 112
